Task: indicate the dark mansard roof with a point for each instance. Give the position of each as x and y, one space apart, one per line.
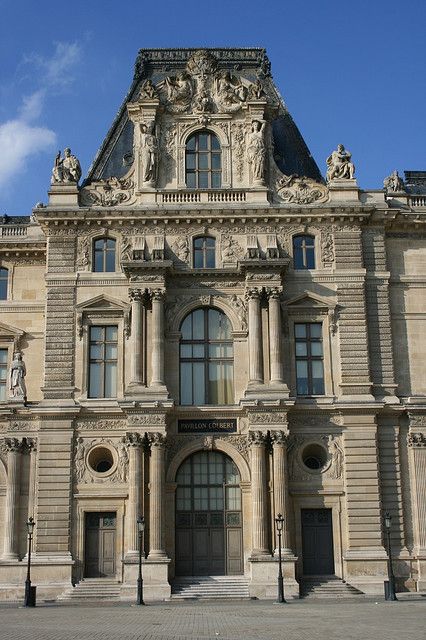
290 151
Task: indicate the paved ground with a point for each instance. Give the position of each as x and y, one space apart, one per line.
298 620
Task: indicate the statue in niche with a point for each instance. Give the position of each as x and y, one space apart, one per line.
149 153
339 164
230 90
394 182
256 151
17 375
66 169
79 460
179 89
123 460
336 455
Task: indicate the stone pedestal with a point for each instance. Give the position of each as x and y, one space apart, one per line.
343 190
264 578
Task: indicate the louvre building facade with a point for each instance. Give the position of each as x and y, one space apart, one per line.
207 332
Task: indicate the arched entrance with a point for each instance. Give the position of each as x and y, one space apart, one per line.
208 516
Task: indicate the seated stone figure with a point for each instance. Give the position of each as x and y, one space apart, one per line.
66 169
339 164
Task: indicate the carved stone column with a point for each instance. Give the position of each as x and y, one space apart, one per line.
134 443
254 337
13 447
417 457
279 444
32 447
157 495
275 351
258 484
137 346
157 338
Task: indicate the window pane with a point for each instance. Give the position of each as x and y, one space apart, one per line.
99 265
110 261
300 330
198 324
111 352
183 498
190 180
310 258
316 348
203 161
198 351
203 180
216 161
198 259
95 378
2 392
186 383
110 380
216 180
315 330
215 145
233 498
191 144
3 356
96 333
198 383
214 383
185 351
190 160
228 376
203 141
302 377
110 243
301 349
216 498
210 242
186 328
317 377
210 259
232 475
96 352
99 244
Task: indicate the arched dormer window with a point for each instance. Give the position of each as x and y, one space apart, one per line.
4 276
204 251
304 252
104 255
203 161
206 358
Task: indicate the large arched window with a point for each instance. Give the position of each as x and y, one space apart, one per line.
206 359
4 274
203 161
104 255
204 253
304 252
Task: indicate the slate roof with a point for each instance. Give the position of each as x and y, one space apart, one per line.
290 151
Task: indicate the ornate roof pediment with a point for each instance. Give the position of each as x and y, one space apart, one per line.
309 300
102 303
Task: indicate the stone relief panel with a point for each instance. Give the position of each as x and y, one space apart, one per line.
230 249
332 468
110 192
85 473
176 303
207 442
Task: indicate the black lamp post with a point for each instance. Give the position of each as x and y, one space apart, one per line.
390 595
29 591
141 529
279 521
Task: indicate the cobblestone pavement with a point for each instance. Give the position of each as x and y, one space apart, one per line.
297 620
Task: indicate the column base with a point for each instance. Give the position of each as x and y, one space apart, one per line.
264 578
156 587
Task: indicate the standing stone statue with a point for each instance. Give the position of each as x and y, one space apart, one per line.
149 154
17 374
339 164
256 151
66 169
394 182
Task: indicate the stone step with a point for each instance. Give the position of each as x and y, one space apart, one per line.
327 587
211 587
93 589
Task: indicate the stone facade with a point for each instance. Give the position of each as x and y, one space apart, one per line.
363 285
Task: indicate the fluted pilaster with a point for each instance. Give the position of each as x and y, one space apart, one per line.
275 351
134 442
255 337
281 499
157 338
137 345
13 447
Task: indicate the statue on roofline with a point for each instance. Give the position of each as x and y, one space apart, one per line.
66 169
339 164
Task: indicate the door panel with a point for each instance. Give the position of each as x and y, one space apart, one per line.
317 542
100 545
208 533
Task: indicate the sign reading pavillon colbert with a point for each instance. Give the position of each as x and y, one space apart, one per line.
207 426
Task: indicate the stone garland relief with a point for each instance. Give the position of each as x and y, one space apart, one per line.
82 471
110 192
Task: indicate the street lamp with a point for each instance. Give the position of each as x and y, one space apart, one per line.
279 521
141 529
390 592
30 600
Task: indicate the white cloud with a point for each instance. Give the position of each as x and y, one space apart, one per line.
20 137
18 141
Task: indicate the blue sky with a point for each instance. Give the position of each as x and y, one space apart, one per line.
349 71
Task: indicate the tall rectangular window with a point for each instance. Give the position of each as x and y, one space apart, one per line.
309 358
3 374
103 362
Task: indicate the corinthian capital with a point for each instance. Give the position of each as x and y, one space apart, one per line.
279 437
157 294
134 439
157 439
257 438
253 293
136 295
12 444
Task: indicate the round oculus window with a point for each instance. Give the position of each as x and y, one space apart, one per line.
101 459
314 457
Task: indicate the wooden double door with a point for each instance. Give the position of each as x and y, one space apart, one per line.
209 537
317 542
100 544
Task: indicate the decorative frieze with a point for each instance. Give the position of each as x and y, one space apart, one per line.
416 439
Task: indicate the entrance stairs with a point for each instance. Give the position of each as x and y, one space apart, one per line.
327 587
93 590
210 588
